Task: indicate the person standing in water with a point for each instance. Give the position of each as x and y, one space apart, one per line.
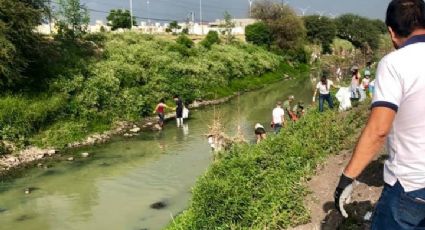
260 132
179 110
160 111
278 117
324 87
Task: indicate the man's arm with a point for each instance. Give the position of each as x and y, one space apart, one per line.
371 140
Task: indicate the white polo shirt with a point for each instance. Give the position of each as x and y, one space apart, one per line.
400 85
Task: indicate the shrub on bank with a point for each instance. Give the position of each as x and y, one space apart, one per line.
122 77
262 186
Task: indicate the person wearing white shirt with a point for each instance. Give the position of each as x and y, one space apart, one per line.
397 119
324 87
278 116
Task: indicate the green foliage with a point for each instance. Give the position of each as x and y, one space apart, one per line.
211 39
19 44
21 117
360 31
261 186
73 19
258 34
320 30
120 19
124 81
185 41
287 29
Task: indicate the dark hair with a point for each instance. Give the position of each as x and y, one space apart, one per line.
162 101
405 16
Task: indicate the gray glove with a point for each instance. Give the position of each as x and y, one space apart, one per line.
342 193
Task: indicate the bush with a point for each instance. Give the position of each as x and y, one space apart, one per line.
21 117
211 39
258 34
261 186
185 41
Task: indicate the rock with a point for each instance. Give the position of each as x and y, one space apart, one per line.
85 155
135 129
39 165
127 135
70 158
51 152
156 127
158 205
38 157
149 124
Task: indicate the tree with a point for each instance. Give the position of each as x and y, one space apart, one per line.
320 30
211 39
287 29
120 19
358 30
73 19
228 26
174 26
19 44
258 34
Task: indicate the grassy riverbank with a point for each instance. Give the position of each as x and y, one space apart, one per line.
117 77
262 186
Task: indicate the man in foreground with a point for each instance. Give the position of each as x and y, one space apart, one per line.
398 116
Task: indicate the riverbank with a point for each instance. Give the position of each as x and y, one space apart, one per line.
33 154
264 186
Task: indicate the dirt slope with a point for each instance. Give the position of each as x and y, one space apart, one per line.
320 202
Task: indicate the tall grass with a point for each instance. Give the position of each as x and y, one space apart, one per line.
262 186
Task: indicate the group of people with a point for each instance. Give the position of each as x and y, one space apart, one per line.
361 88
181 111
397 120
293 110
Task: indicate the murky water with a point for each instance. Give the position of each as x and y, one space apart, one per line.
115 187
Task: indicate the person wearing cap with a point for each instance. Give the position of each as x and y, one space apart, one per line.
260 132
290 109
397 119
278 117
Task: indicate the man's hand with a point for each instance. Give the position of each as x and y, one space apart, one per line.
342 193
314 99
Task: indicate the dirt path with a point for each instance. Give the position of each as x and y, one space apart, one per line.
320 201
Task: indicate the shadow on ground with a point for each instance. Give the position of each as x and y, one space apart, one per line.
373 177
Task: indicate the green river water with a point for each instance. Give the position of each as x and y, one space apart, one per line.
114 188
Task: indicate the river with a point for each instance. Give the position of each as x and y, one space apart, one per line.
115 186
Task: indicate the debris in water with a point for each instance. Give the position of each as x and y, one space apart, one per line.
85 155
158 205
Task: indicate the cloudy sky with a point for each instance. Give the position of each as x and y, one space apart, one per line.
213 9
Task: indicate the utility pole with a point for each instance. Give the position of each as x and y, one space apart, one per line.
200 17
149 20
250 8
131 14
50 17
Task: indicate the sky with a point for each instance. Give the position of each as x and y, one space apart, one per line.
179 10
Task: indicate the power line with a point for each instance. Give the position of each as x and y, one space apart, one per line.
139 17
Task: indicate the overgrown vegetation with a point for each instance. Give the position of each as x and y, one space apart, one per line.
262 186
105 78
